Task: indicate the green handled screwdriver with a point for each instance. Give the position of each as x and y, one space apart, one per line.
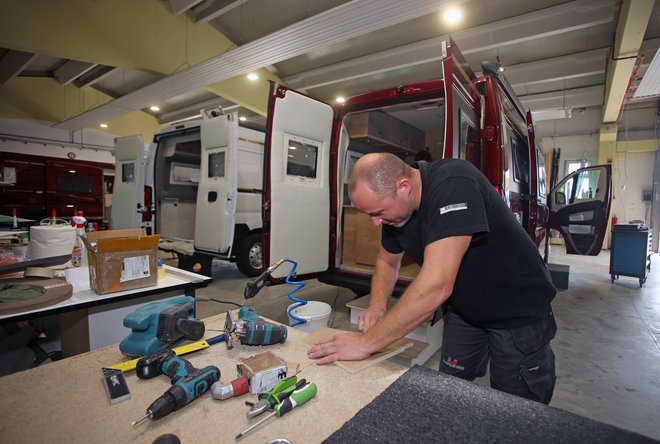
297 397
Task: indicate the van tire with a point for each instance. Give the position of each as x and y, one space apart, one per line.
249 257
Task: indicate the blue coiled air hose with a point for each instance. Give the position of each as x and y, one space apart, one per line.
296 286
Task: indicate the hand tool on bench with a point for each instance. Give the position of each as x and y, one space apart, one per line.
296 398
268 401
127 366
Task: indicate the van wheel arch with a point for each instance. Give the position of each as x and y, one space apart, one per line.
249 255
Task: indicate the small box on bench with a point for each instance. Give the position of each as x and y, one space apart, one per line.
121 260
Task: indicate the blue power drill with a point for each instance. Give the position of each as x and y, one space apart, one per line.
189 383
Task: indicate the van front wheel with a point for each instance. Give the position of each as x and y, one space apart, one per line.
249 257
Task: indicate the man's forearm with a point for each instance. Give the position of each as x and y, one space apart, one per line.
382 283
410 311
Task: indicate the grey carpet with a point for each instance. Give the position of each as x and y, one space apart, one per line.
424 405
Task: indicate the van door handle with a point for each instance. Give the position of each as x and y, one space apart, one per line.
212 196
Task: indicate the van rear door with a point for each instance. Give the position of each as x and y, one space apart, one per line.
536 197
128 190
297 181
461 102
215 213
580 207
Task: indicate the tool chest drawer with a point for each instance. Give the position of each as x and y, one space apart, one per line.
630 254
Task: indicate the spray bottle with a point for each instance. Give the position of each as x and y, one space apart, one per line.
79 255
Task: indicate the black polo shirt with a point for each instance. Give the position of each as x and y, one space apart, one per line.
502 281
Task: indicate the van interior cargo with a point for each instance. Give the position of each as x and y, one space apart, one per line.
406 130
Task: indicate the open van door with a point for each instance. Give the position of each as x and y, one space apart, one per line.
580 208
537 196
297 182
128 189
215 213
461 101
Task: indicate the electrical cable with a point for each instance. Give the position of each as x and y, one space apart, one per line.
205 299
297 286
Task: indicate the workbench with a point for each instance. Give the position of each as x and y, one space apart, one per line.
65 401
89 320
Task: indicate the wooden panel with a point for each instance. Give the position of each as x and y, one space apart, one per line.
352 367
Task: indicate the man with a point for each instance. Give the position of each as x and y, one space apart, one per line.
475 258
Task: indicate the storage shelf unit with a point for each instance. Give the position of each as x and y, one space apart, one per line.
630 254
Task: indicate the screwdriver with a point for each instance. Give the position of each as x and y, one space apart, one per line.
297 397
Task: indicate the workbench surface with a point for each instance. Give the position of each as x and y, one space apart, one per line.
65 401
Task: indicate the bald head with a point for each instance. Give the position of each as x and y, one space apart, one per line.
380 172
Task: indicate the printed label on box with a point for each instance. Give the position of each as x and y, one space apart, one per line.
135 268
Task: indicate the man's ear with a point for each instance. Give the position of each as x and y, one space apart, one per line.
403 186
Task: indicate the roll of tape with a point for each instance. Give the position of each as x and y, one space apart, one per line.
51 240
39 272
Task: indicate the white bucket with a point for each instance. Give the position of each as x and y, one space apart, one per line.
317 314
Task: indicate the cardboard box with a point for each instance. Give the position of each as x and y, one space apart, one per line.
121 260
263 371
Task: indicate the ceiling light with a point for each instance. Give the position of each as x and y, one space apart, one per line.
452 16
252 76
650 84
103 125
242 118
155 108
551 114
340 99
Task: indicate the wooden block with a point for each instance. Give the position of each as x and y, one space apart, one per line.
355 366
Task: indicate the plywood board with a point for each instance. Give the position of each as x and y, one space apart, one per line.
355 366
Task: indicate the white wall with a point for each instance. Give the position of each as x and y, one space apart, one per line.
572 148
44 140
634 174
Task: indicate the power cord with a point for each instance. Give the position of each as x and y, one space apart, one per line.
205 299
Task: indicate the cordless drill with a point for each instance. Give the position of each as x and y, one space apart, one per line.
188 382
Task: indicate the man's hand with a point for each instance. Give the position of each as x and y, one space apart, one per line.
369 317
341 347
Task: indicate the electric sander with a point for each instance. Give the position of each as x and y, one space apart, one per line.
160 325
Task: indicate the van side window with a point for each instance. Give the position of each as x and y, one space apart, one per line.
128 172
301 159
520 152
217 164
542 179
70 183
469 143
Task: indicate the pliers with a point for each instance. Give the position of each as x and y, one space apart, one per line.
281 391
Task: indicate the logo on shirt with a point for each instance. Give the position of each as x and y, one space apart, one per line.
453 207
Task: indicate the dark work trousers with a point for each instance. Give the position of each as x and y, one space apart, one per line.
521 360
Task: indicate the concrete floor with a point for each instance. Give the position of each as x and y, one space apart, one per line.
607 345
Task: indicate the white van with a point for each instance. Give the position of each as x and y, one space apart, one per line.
199 187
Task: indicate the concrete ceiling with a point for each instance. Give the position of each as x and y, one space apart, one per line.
77 63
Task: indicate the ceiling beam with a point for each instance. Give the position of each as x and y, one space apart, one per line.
95 75
631 26
71 70
341 23
215 9
178 7
527 27
13 63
